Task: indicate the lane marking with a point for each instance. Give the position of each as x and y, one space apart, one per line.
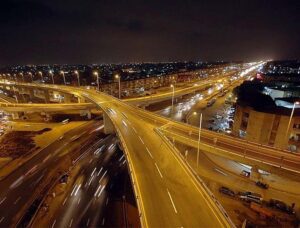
65 201
149 152
158 171
71 222
53 224
2 200
1 219
88 222
17 200
134 130
141 140
172 201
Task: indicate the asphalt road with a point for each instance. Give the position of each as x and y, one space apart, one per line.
86 201
17 188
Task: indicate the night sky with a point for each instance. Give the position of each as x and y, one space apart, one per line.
104 31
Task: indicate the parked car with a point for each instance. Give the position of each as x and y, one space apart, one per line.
226 191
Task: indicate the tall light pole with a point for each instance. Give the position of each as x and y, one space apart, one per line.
199 137
30 74
63 74
22 75
52 76
119 80
291 116
97 78
173 87
41 74
78 79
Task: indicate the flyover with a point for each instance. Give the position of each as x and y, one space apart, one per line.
167 193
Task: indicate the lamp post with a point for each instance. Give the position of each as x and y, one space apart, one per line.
119 80
97 78
199 137
290 120
78 79
63 74
41 74
30 74
22 75
51 74
173 87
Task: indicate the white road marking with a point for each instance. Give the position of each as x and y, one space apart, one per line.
96 192
103 221
17 200
99 171
172 201
103 176
1 219
149 152
134 129
78 201
75 186
2 200
53 224
158 170
93 171
71 222
88 222
106 201
141 140
65 201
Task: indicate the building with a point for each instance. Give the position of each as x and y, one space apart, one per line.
263 114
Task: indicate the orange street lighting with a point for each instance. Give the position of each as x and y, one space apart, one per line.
119 80
97 78
63 74
77 74
291 116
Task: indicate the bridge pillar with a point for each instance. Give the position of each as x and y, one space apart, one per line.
67 98
31 93
15 116
108 125
81 100
47 96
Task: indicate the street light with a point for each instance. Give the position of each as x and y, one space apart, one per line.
97 77
51 74
199 137
291 116
41 74
22 75
63 74
173 87
30 74
77 74
119 80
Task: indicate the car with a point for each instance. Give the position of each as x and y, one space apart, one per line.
226 191
262 185
245 173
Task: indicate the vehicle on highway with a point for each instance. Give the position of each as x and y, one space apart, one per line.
245 173
226 191
65 121
211 102
262 185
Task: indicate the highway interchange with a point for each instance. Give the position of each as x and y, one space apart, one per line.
153 166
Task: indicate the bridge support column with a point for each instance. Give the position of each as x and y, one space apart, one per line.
47 96
81 100
108 125
31 93
15 116
67 98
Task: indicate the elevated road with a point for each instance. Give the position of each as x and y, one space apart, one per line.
168 195
21 107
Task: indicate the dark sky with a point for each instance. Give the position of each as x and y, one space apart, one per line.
103 31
